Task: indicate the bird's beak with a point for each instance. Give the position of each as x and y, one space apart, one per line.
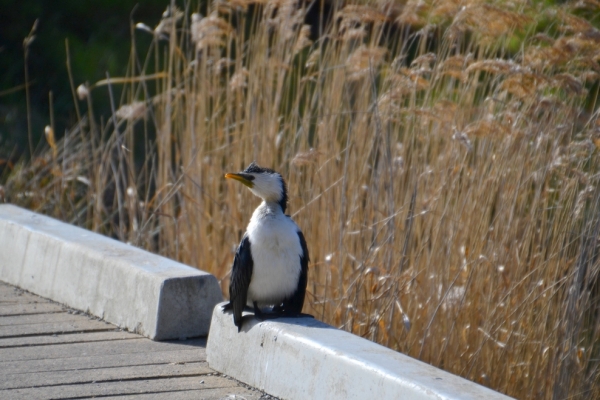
241 177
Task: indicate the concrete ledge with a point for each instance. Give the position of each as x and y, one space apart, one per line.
136 290
306 359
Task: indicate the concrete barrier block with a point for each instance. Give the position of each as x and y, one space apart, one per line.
302 358
136 290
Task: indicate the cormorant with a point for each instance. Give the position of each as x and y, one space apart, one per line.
270 267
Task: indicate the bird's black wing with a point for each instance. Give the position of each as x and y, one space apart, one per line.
241 273
296 302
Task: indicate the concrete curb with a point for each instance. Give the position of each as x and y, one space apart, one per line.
136 290
304 358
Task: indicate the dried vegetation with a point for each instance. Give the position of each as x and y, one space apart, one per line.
442 160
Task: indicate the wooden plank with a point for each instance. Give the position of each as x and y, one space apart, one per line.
12 294
86 376
104 361
52 361
119 388
6 288
29 319
24 341
7 309
232 393
18 296
86 350
82 325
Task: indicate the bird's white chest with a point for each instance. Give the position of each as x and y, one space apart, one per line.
276 250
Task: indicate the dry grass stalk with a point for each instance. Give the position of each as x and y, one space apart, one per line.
488 20
227 6
209 31
455 66
363 61
133 111
306 158
303 39
413 13
169 20
353 13
239 80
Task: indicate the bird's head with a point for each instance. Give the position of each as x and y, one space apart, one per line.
264 183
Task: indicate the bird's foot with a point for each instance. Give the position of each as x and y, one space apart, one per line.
258 312
279 314
229 307
269 315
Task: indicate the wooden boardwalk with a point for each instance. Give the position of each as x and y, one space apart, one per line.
48 351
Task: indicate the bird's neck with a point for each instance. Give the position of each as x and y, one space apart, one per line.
268 208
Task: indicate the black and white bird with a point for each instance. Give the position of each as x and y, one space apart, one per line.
270 267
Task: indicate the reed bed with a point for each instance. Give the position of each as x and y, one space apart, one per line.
441 156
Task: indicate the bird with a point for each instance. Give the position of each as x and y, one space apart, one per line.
270 267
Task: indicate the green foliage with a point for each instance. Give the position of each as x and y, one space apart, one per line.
99 36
